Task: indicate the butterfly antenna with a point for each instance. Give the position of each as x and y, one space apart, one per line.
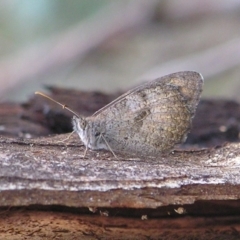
63 105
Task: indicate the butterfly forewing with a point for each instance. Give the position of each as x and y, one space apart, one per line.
153 117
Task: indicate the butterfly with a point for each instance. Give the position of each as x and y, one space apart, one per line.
145 121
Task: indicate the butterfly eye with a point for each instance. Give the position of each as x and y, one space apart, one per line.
83 123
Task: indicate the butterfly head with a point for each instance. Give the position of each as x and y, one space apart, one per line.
80 126
89 132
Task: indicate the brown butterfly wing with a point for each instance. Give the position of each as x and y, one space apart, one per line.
153 117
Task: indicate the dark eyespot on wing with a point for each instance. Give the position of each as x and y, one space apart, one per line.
140 115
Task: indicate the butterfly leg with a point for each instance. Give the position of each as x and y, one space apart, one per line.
109 148
86 149
65 139
85 152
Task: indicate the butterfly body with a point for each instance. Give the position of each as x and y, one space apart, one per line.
147 120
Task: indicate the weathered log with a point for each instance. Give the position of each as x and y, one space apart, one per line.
181 195
43 171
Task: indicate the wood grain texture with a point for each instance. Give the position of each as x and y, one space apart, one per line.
43 171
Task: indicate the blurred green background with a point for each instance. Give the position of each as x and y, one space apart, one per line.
25 22
112 45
